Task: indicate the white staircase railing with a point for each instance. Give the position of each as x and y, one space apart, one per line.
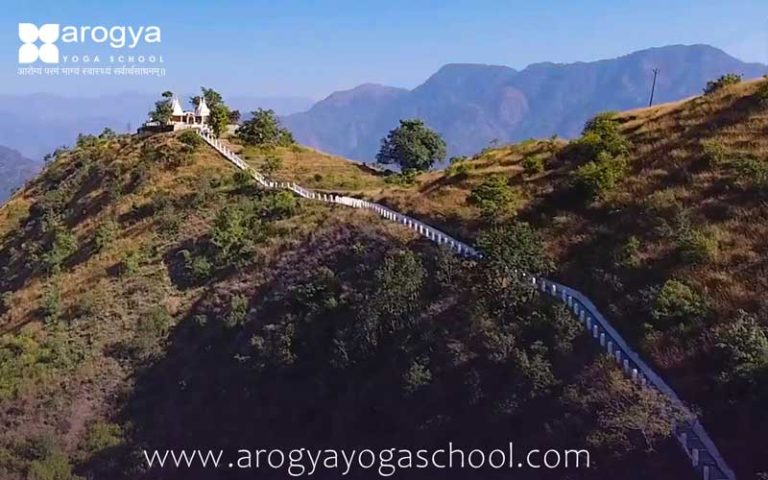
694 440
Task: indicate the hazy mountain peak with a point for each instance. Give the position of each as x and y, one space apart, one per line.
365 89
466 75
15 169
472 104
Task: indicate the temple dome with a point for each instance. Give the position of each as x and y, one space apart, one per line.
176 107
201 110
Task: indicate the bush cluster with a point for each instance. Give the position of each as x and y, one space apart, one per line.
596 178
495 197
698 245
677 304
533 164
754 172
722 82
603 148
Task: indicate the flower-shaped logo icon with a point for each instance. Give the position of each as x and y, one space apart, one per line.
47 34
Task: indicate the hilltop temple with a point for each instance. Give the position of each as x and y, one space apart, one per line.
181 120
197 117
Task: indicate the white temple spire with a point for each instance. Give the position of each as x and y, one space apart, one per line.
202 109
176 107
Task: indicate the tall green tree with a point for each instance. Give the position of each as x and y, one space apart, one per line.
163 109
212 97
264 129
413 146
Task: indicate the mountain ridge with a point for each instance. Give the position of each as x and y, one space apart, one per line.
474 104
15 169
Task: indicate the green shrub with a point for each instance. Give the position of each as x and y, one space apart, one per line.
665 211
495 197
754 172
596 178
131 262
190 138
626 255
63 244
25 360
54 466
235 231
404 178
280 205
151 328
169 221
101 436
238 311
458 170
397 295
514 246
230 231
417 376
762 91
714 152
533 164
198 267
742 344
742 347
677 304
5 301
105 234
242 179
51 303
697 246
601 134
724 81
272 164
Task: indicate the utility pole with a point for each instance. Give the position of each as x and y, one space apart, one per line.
653 88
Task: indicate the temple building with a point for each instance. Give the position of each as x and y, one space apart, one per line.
197 117
181 120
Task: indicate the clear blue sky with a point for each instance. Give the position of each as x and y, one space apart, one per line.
312 47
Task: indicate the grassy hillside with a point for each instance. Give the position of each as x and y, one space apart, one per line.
667 234
153 297
666 231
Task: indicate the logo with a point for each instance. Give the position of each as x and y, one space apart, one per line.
47 34
57 49
47 51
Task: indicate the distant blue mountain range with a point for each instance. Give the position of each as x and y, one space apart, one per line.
15 169
472 105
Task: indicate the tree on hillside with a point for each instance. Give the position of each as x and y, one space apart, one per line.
264 129
220 113
212 97
413 146
163 109
495 197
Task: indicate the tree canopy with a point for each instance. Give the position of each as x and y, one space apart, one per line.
264 129
413 146
163 109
